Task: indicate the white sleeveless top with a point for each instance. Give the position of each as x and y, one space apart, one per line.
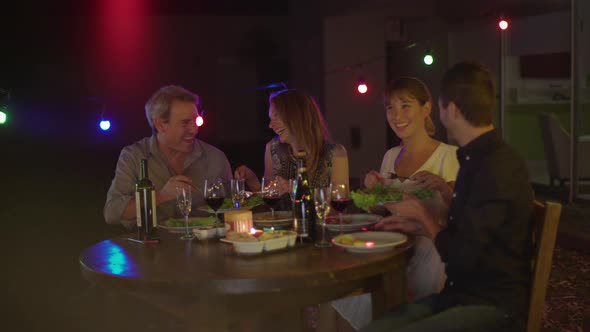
425 271
442 162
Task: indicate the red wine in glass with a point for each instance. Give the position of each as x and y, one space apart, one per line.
215 202
271 201
340 204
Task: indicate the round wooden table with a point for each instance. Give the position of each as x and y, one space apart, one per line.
213 287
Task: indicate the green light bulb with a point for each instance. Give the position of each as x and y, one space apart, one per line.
428 59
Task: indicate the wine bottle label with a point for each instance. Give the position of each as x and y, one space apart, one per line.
153 211
138 208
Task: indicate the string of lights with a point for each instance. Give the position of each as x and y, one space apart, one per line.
4 102
428 59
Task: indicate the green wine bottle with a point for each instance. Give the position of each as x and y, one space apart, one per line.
303 209
145 203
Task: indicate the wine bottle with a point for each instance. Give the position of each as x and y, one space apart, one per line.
303 209
145 203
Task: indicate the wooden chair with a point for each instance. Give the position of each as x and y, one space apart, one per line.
546 221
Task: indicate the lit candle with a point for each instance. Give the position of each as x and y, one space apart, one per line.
255 232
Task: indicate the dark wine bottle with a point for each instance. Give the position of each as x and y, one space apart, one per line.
145 203
303 209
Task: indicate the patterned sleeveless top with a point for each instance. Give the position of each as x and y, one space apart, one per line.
284 163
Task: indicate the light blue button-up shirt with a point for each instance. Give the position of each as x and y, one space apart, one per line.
204 162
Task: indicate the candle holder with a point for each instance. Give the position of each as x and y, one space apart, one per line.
238 221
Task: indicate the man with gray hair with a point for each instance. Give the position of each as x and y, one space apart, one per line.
175 158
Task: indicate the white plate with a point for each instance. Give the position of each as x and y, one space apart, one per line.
352 222
181 229
382 241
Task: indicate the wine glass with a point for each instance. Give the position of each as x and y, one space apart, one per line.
321 199
184 201
292 190
270 193
340 199
238 193
214 194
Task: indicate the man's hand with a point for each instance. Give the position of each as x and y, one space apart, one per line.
373 178
425 179
168 192
409 216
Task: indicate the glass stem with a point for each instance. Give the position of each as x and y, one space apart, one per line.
324 229
186 225
340 217
272 213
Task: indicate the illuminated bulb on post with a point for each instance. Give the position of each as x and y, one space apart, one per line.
503 24
199 121
428 59
105 125
2 117
362 88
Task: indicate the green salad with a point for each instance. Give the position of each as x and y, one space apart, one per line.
379 194
252 201
193 221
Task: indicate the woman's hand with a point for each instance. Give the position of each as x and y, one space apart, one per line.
283 185
373 178
246 174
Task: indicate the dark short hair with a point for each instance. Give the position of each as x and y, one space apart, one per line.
470 86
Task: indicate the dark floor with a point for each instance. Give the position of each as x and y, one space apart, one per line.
42 286
574 226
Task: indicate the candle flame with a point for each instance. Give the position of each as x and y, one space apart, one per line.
252 231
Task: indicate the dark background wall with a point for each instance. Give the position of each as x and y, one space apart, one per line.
63 60
67 69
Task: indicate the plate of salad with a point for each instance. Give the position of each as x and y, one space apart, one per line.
177 224
228 204
379 195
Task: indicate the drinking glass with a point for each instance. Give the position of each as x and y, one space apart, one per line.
321 199
292 190
270 193
238 193
214 194
340 199
184 201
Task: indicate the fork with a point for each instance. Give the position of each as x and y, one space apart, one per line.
393 176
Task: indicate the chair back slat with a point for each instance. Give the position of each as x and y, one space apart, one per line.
546 222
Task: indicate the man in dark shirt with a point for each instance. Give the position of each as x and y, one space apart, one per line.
487 244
